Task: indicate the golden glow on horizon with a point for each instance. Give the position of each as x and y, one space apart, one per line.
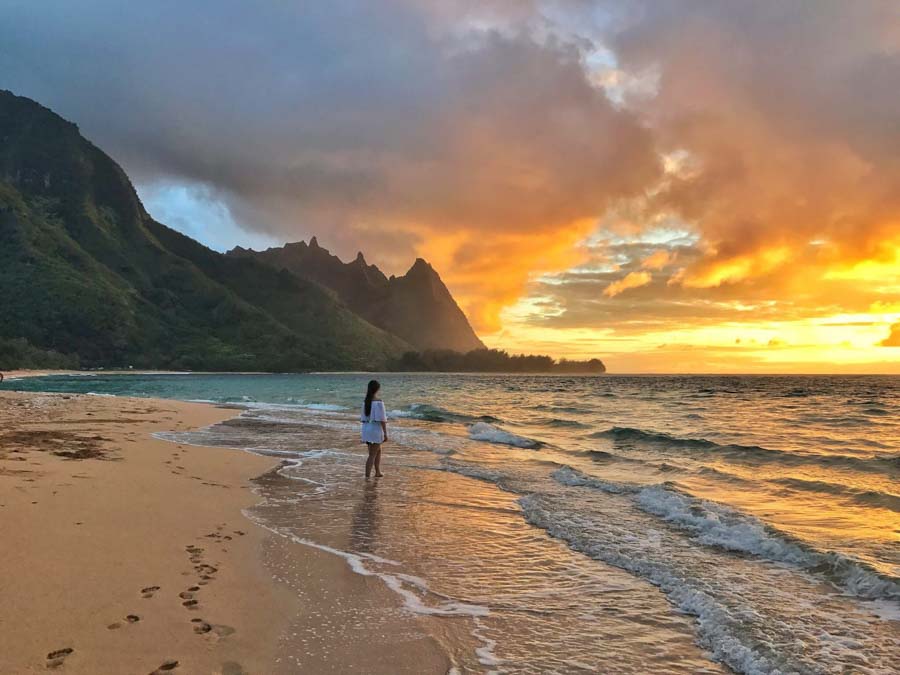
743 332
837 343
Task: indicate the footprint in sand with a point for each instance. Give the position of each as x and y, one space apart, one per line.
223 631
233 668
218 631
149 592
167 666
55 659
131 618
201 627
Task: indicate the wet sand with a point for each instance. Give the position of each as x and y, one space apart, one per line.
126 554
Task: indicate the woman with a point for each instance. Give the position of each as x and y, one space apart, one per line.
374 427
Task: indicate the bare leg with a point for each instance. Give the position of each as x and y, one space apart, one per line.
378 462
374 449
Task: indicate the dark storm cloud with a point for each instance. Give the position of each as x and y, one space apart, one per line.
346 118
476 133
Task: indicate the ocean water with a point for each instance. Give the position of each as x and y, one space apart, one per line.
559 524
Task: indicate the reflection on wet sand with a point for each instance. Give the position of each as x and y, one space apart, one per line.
364 525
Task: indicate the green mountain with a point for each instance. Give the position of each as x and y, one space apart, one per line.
417 306
88 278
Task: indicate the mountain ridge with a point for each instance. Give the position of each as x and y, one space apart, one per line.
90 279
416 307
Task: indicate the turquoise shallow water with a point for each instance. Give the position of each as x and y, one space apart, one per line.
675 524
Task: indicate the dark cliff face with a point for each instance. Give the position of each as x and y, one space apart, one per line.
88 278
417 307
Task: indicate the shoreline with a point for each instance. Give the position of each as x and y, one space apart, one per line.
474 552
135 552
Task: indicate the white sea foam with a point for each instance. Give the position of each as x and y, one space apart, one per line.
400 413
715 524
485 653
317 487
325 407
569 476
716 622
414 411
478 473
482 431
719 525
397 582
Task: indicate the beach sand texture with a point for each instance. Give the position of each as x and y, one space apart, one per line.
126 554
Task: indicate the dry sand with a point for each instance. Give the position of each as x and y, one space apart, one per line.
129 551
123 554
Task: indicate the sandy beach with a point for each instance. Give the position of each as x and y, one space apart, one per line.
129 551
239 535
127 554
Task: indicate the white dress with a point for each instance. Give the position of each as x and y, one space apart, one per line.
371 425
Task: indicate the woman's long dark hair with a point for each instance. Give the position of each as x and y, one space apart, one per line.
370 394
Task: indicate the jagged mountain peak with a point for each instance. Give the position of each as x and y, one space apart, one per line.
421 266
417 306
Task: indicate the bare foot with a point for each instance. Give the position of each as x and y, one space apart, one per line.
379 475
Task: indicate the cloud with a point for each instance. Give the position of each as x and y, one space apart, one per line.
780 159
632 280
657 260
892 340
497 138
791 137
386 126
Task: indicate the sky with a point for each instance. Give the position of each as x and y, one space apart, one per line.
668 185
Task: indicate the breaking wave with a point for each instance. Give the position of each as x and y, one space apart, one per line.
747 453
714 524
482 431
